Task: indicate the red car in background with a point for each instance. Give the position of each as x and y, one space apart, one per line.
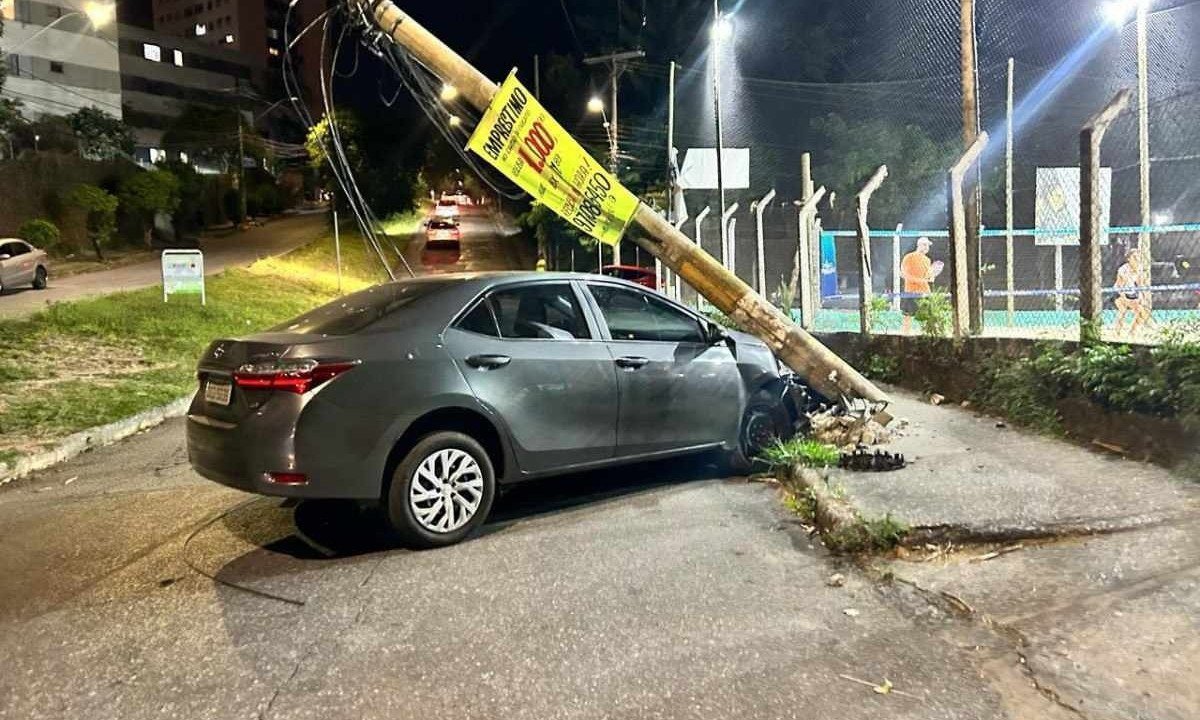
633 273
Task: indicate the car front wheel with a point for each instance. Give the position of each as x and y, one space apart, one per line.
39 279
441 491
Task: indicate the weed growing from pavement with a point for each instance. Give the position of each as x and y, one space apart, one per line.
803 504
868 535
809 453
150 349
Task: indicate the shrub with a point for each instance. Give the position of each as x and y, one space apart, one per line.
101 209
40 233
934 313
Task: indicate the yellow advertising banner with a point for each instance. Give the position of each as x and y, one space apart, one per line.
524 142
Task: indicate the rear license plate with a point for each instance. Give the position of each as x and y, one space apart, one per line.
218 392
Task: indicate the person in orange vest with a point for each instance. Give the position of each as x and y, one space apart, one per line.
918 272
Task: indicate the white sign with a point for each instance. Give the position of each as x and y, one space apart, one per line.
1058 206
183 274
700 169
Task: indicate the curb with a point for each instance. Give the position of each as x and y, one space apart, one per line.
842 527
79 443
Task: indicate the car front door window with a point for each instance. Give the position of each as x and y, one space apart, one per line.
636 316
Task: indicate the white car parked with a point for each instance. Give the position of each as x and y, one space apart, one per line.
22 264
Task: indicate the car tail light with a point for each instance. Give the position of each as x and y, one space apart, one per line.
287 478
295 376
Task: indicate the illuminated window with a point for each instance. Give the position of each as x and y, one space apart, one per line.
201 29
183 157
229 39
152 52
273 33
157 155
177 56
273 52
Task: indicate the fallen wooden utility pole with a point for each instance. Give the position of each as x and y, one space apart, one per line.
823 370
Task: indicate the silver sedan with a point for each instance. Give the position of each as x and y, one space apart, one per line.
22 264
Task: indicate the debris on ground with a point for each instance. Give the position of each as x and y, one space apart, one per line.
836 580
886 688
863 460
846 432
936 399
1115 449
851 612
997 553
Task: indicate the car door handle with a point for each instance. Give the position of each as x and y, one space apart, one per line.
488 362
633 363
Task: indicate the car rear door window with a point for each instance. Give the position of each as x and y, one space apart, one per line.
539 312
480 320
633 315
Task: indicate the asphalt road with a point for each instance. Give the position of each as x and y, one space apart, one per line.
130 588
490 241
276 237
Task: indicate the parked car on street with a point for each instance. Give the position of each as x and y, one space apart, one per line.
446 208
427 396
442 234
634 274
22 264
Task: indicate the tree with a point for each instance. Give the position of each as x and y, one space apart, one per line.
384 157
101 136
101 209
10 110
41 234
851 151
146 194
210 135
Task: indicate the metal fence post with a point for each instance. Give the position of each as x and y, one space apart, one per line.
727 240
865 291
759 209
804 273
897 285
958 235
1091 299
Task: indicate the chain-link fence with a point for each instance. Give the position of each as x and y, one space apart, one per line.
893 97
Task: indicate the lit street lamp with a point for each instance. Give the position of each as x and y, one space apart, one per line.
98 14
595 106
449 93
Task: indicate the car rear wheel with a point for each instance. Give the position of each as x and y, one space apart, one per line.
39 278
441 491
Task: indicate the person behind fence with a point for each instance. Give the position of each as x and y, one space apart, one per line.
918 272
1131 299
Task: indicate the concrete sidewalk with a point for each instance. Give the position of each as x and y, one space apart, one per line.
1101 589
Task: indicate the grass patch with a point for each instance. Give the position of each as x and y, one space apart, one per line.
869 535
803 504
8 457
809 453
81 364
401 224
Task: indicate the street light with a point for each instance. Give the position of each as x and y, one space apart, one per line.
1118 12
455 121
449 92
98 14
722 29
595 106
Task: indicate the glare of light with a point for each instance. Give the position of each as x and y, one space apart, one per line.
1163 218
1118 12
595 105
100 14
722 29
449 92
455 121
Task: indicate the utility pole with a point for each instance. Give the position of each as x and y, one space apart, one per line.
1009 254
716 56
671 179
241 160
537 77
616 62
824 371
970 101
1143 53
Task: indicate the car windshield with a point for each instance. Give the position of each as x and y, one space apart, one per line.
447 203
356 312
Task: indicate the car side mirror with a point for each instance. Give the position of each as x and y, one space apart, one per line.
717 334
5 256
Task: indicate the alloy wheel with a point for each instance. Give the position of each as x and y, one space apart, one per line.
446 490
